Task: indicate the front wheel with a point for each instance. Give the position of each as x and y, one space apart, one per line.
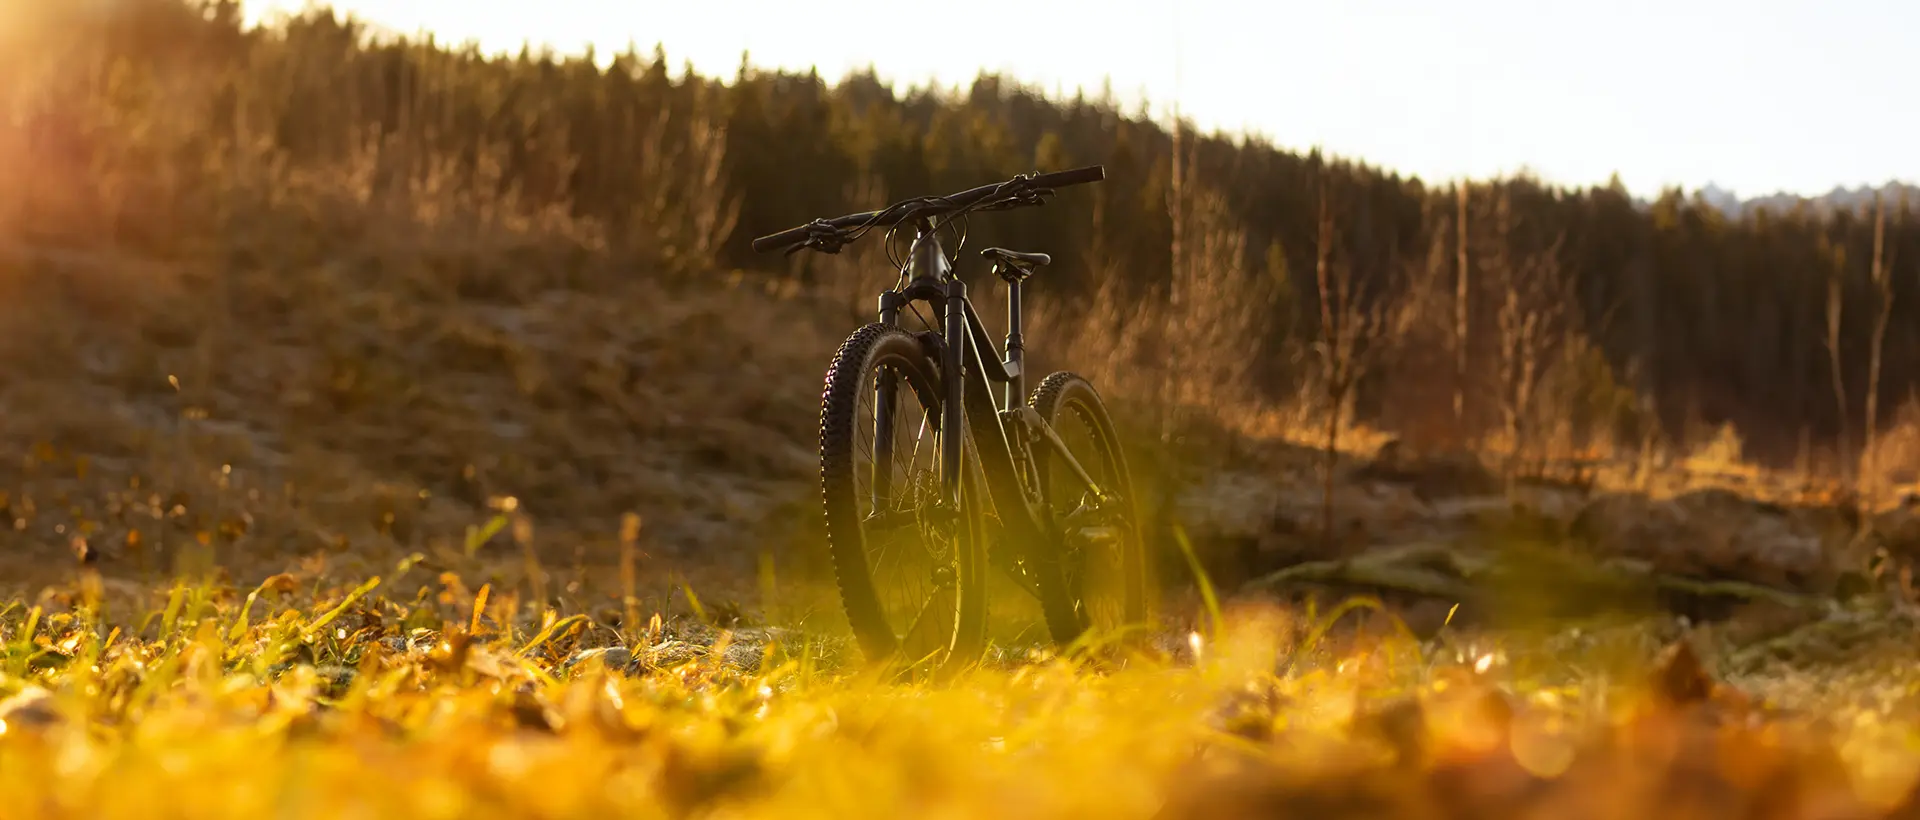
910 564
1102 554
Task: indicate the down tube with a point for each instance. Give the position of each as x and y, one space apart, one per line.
996 458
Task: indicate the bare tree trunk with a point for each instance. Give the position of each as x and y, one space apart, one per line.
1460 295
1330 334
1510 324
1883 283
1529 322
1835 292
1351 323
1803 462
1176 210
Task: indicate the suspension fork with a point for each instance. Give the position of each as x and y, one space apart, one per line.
931 281
953 418
886 402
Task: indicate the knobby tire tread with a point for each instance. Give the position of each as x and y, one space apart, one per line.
839 407
1046 401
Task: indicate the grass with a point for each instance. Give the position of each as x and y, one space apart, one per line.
201 700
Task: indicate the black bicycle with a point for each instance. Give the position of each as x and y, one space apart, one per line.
930 484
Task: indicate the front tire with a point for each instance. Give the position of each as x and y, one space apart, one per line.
910 568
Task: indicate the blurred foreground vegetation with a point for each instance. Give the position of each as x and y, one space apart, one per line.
312 700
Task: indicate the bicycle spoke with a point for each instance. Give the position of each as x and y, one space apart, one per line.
910 530
886 403
930 632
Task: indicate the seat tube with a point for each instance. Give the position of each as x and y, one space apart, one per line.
1016 348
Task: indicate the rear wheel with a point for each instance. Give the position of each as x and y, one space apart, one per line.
910 565
1102 556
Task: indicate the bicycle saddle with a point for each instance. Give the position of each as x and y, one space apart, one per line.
1014 266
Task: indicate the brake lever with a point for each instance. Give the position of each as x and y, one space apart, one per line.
1036 196
822 237
819 244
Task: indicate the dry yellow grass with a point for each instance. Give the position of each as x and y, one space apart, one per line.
340 702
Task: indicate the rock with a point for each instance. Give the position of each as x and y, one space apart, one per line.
1431 476
1426 618
744 656
672 653
532 712
1512 518
1558 504
1898 531
32 708
614 658
1709 534
1230 504
1244 524
1362 513
1679 677
338 678
1400 724
1249 712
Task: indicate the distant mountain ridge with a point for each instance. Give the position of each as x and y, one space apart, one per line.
1840 198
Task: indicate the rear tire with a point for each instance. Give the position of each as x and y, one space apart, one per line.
1105 579
930 613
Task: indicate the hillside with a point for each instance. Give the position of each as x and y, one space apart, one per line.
1657 322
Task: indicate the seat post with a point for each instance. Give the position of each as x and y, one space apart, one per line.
1016 348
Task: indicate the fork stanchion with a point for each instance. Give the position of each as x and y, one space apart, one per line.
953 419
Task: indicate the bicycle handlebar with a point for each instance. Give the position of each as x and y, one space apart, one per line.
1077 176
934 206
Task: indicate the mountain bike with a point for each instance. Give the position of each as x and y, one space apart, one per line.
930 484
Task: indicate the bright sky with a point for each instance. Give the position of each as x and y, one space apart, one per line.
1755 96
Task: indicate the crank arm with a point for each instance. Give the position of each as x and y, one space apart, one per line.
1003 557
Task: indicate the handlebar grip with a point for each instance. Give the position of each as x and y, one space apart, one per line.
779 240
1077 176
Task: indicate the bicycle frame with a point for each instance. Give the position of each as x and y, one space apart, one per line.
1002 432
